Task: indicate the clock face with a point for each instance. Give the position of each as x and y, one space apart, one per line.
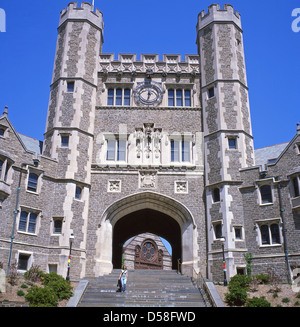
148 93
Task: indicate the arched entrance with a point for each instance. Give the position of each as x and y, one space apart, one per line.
146 212
142 221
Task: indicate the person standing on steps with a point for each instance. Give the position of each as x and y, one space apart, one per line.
123 277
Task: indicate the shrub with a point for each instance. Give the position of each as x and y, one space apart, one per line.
238 287
258 302
41 297
237 295
20 293
263 278
285 300
58 284
33 274
240 280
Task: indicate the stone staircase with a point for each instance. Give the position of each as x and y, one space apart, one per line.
145 288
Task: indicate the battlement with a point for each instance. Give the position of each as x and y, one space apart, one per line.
83 12
128 63
217 14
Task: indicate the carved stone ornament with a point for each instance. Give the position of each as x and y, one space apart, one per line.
147 179
114 186
181 187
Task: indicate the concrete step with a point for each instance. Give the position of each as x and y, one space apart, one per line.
148 288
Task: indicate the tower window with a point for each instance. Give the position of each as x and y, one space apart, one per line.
211 92
64 140
232 143
216 195
70 87
2 130
218 230
78 192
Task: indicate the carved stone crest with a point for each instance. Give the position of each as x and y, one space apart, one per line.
147 179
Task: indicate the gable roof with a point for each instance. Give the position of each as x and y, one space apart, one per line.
263 155
31 144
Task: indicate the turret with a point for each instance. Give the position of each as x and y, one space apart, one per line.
226 122
71 114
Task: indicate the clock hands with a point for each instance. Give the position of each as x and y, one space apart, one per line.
149 94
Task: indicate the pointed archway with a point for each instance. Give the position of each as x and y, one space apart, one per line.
146 212
142 221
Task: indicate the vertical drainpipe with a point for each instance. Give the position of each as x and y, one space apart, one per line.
284 234
14 222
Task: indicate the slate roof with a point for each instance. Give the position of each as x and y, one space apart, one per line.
263 155
32 144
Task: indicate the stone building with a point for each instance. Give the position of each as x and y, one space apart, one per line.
139 145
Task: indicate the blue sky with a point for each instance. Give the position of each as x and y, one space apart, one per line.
272 51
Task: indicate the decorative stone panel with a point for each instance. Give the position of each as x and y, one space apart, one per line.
147 179
114 186
181 187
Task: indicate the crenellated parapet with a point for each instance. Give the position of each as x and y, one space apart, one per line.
216 14
149 64
73 12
